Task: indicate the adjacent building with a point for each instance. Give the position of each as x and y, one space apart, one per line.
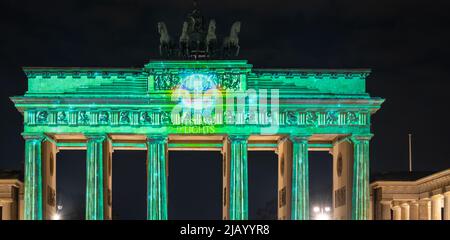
411 196
11 195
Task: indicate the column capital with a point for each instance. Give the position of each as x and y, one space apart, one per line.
238 137
361 137
299 138
405 204
395 207
96 136
437 197
33 136
282 139
386 202
157 138
447 194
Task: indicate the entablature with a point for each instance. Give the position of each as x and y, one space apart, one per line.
165 76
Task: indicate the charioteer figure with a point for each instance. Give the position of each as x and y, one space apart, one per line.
198 39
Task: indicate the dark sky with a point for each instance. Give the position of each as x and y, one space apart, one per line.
404 42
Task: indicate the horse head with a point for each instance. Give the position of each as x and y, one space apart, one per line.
184 35
163 32
212 27
211 31
162 29
235 28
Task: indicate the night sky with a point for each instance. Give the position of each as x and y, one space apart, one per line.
404 42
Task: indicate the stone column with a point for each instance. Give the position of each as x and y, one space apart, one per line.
436 205
238 177
94 176
424 209
361 189
405 211
300 178
33 176
447 206
397 210
6 210
385 210
414 210
157 177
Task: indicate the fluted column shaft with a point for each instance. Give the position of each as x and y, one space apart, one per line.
156 177
447 206
414 210
300 178
436 205
33 177
424 209
405 211
397 212
238 177
94 177
361 189
385 210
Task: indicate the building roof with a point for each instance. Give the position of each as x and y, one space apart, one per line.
401 176
11 174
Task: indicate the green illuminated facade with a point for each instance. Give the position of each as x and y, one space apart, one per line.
161 108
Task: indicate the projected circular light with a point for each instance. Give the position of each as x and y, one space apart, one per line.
197 85
198 82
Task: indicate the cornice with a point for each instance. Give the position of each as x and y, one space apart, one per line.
63 72
315 73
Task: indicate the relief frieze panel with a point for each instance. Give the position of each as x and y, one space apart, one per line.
119 117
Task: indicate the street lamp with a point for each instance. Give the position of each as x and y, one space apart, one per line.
57 215
322 213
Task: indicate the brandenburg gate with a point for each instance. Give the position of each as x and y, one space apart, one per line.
198 104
